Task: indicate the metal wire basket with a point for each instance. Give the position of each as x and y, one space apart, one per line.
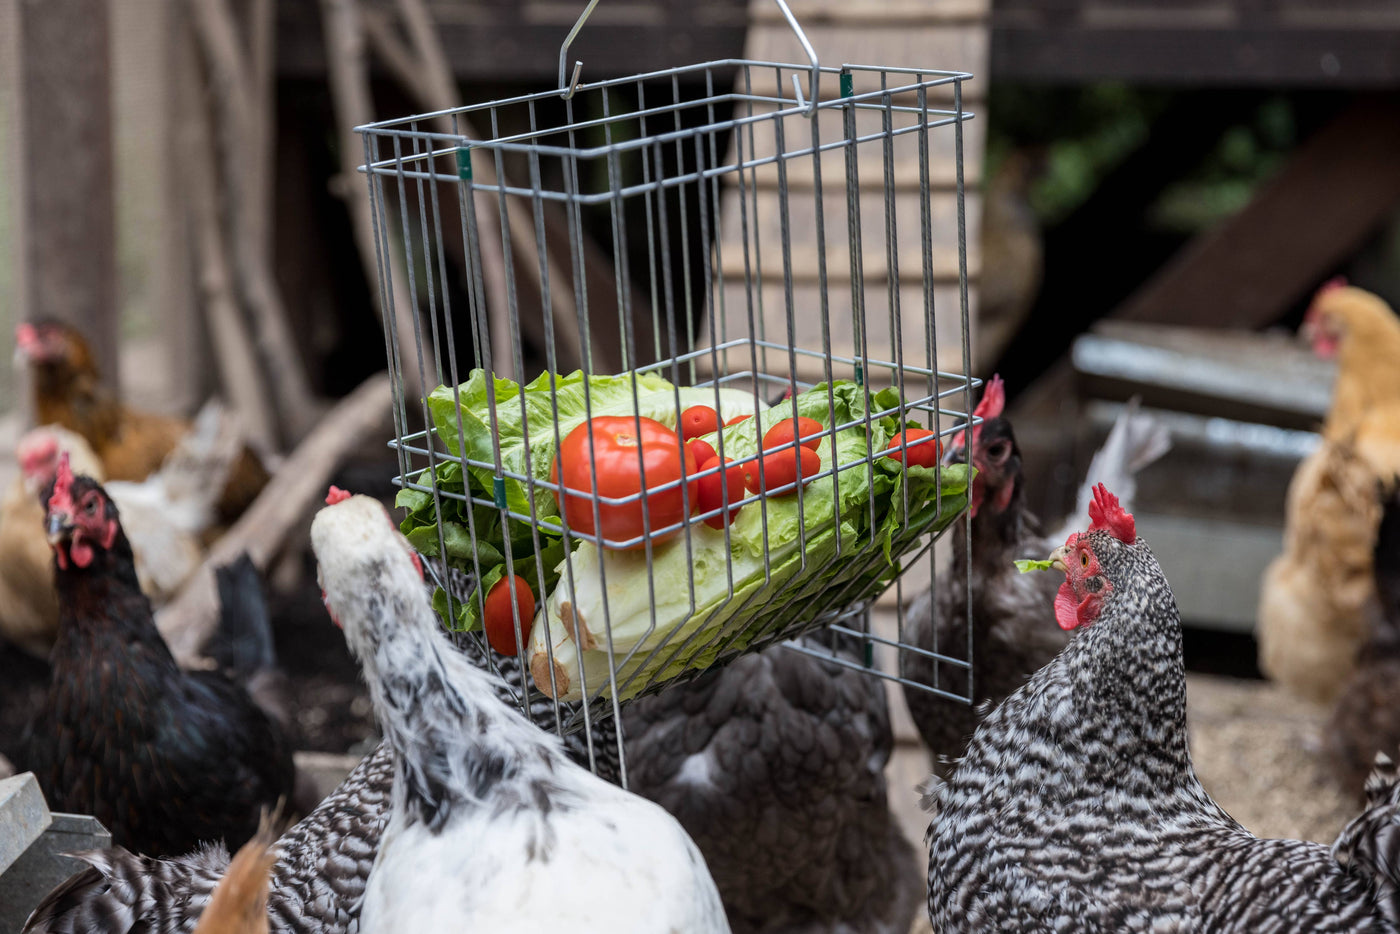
736 262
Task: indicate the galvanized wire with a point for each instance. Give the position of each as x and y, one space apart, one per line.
709 173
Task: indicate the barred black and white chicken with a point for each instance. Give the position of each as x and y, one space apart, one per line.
1076 807
1009 638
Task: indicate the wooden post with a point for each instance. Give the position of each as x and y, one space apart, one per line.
68 229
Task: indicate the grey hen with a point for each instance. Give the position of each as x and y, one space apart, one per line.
775 766
1009 638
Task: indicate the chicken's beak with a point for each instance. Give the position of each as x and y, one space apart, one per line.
1057 560
59 527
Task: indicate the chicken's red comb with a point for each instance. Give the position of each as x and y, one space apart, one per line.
62 496
336 495
1331 285
1106 513
25 335
991 406
36 451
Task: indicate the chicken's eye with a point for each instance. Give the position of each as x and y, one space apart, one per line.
90 506
1084 559
998 451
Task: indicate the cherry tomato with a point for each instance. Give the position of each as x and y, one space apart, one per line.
926 454
701 450
498 618
615 447
736 420
809 430
710 491
698 420
781 469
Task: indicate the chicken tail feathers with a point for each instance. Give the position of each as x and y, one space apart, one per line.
242 644
120 892
1369 846
1135 441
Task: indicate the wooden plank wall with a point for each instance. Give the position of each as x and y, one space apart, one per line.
944 35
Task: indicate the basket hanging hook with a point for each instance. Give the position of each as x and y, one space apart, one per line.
567 88
566 91
812 96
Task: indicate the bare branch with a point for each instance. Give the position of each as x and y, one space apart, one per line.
281 508
236 122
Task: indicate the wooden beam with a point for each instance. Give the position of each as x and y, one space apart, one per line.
1324 57
1334 191
519 50
68 231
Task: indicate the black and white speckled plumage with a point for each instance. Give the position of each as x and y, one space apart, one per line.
1010 640
775 766
1076 807
323 861
320 873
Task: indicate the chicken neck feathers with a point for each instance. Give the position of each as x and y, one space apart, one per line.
1077 805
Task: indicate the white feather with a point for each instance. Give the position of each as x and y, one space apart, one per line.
1135 441
544 843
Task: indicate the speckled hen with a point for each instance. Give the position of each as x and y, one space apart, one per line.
1076 807
492 827
1009 638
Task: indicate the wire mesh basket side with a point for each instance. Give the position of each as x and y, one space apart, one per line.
708 184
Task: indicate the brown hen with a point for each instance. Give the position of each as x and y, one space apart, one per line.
132 444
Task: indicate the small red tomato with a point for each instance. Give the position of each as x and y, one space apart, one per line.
498 619
698 420
809 430
736 420
926 454
782 468
701 450
710 491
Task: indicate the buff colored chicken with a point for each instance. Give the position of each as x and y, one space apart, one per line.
1313 599
28 603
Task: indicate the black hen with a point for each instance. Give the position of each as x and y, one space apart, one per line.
165 759
1366 718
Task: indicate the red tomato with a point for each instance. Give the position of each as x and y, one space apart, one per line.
710 491
781 469
920 455
499 620
615 447
701 450
698 420
809 430
736 420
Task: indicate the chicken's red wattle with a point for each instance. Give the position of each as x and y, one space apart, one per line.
1066 607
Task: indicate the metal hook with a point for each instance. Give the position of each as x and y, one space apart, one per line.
809 104
566 91
814 97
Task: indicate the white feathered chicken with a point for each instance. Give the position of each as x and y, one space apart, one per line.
493 828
